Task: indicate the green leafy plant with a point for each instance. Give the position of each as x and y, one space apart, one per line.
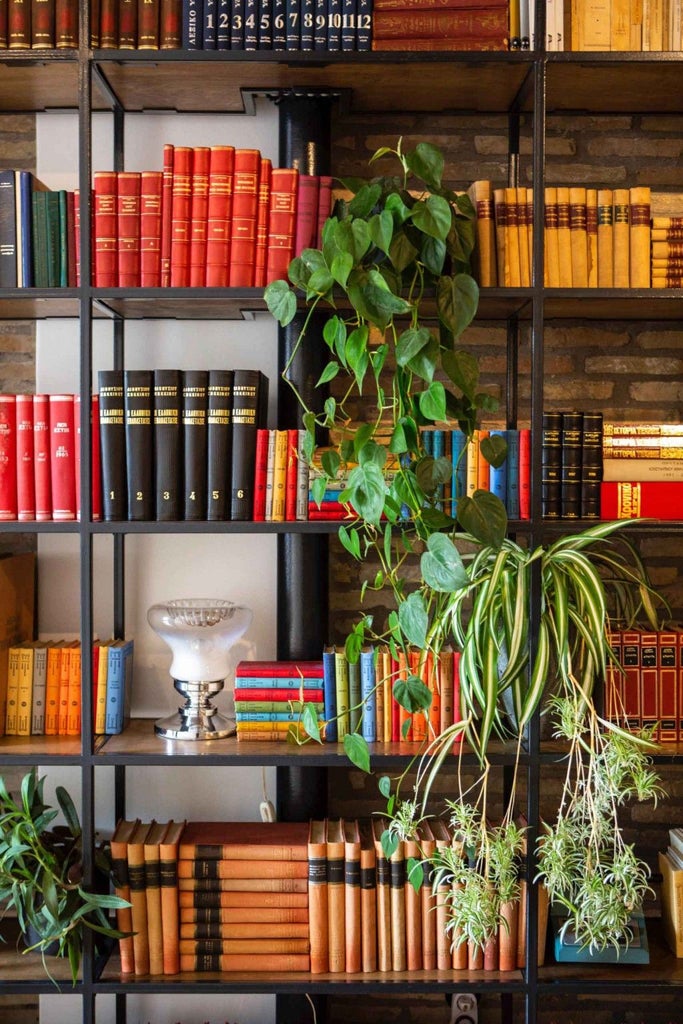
41 873
393 274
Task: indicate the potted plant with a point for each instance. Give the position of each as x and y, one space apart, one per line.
41 874
393 271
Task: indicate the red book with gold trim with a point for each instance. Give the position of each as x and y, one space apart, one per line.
244 217
306 234
41 457
221 171
659 499
170 24
128 228
95 457
148 25
198 215
668 686
42 24
62 457
649 682
105 229
166 214
66 23
3 25
181 208
128 24
26 490
630 660
109 24
282 222
150 228
8 457
19 25
263 212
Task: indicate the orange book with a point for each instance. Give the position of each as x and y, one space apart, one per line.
242 884
250 962
605 241
153 895
247 165
413 911
124 919
397 875
198 215
639 236
257 947
64 680
240 899
383 898
442 839
52 684
481 194
168 884
221 171
291 476
245 840
317 896
431 678
483 466
336 896
352 918
428 899
416 663
405 732
252 917
73 718
445 683
138 899
266 929
262 218
181 208
210 868
368 899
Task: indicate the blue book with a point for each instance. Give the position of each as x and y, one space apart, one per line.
193 24
320 27
334 20
223 25
270 716
348 27
512 493
251 14
293 20
278 683
279 24
237 25
428 441
330 692
368 692
459 458
438 449
307 15
119 679
498 474
265 25
210 28
364 25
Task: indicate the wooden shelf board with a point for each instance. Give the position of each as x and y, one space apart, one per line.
180 303
37 747
28 83
38 304
18 967
614 83
613 304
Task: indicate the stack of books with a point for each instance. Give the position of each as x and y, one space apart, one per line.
667 245
642 470
269 697
644 686
244 897
671 867
428 25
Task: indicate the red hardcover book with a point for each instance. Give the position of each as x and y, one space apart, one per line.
166 214
244 216
306 232
3 25
668 686
66 24
128 24
649 683
282 222
41 457
42 24
8 457
19 24
658 499
431 43
277 694
109 24
26 488
198 215
280 669
291 475
680 686
148 25
94 23
525 473
265 181
71 279
480 23
62 457
630 660
128 228
260 466
105 230
324 206
614 696
170 24
221 171
150 228
181 209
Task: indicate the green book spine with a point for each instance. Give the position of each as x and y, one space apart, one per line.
52 239
63 236
39 237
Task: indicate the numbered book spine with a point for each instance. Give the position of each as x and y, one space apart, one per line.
334 23
364 25
209 28
167 444
307 23
250 399
237 25
293 22
223 25
137 404
195 436
279 24
219 443
193 20
348 27
251 12
265 25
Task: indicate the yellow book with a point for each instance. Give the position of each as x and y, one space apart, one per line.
25 690
605 239
672 904
279 476
501 222
524 227
620 28
636 25
551 274
281 727
101 689
592 235
578 236
485 271
595 24
52 681
639 236
270 475
530 230
472 468
512 239
653 25
73 719
64 683
564 243
12 715
620 237
341 675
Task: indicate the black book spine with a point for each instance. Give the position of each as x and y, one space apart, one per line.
249 400
112 445
219 444
137 414
364 25
265 25
223 25
8 230
293 24
193 24
551 465
237 25
348 28
195 384
279 24
571 465
307 14
167 444
251 13
209 23
320 26
334 22
591 465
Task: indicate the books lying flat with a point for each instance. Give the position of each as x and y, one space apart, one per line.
252 840
257 869
212 899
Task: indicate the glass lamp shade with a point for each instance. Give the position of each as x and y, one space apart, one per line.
200 634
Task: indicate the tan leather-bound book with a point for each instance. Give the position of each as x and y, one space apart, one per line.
428 898
242 884
524 226
530 230
578 236
620 25
639 236
245 840
336 896
564 242
246 930
202 867
251 916
413 910
213 899
605 239
251 962
368 899
442 839
138 898
551 239
397 892
620 237
543 910
512 239
352 920
317 897
153 895
500 216
168 879
592 235
383 899
485 270
255 947
124 917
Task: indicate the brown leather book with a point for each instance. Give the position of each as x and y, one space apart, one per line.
252 916
153 896
213 899
19 25
220 869
170 24
128 24
397 876
168 880
42 24
428 898
245 840
413 911
138 899
124 918
148 25
383 898
336 896
317 896
352 901
368 899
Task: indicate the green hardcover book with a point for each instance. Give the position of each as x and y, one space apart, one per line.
52 200
341 671
39 238
63 243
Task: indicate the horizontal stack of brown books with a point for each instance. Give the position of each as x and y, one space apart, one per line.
451 25
244 897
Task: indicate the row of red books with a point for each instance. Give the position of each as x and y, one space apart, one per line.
215 216
430 25
647 693
114 24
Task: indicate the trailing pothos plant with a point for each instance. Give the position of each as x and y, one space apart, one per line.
393 278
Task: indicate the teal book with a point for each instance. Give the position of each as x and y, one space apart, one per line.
39 238
498 474
569 950
119 680
368 691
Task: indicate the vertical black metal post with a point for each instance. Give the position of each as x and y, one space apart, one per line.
302 557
